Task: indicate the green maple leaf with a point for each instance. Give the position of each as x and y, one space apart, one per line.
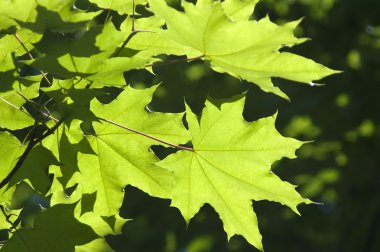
231 166
55 229
246 49
122 156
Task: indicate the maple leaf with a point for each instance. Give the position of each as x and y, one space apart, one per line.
123 156
246 49
231 166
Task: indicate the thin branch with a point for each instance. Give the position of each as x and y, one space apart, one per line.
33 142
30 56
174 61
146 135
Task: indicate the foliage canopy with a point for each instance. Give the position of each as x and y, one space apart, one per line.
75 132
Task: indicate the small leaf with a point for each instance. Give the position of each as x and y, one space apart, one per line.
123 157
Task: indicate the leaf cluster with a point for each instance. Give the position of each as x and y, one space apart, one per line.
76 133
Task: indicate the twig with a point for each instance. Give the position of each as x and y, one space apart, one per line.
133 15
30 56
146 135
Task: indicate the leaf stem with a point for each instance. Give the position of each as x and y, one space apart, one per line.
175 61
146 135
30 55
33 142
133 15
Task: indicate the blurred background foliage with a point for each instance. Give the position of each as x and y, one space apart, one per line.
339 167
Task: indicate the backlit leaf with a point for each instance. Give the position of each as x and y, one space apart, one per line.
246 49
231 166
